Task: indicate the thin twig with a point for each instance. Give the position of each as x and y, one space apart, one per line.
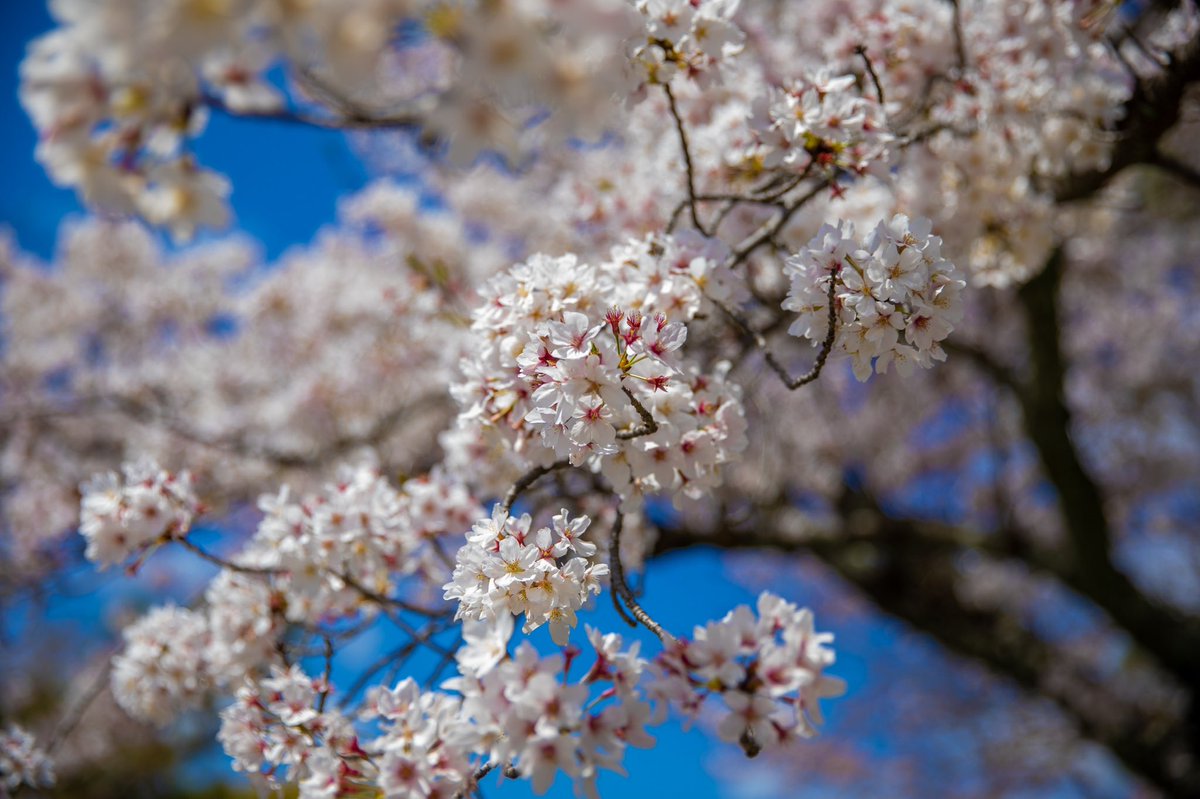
760 342
687 159
295 117
216 560
862 52
528 479
483 771
388 601
328 674
960 48
67 724
400 654
770 230
622 588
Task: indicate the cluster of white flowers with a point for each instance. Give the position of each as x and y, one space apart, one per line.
686 37
275 728
358 533
547 575
22 761
122 514
518 713
245 618
824 122
426 743
895 281
117 89
526 713
582 362
768 671
162 669
326 556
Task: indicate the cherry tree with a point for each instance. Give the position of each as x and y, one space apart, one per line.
906 289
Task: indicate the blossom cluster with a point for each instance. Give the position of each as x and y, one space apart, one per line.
582 362
525 712
338 552
275 729
507 569
161 669
768 671
122 514
896 281
359 534
22 761
325 556
824 122
688 38
518 712
119 87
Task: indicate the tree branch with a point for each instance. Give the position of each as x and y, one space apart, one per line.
687 159
909 569
757 339
1151 110
621 588
1171 636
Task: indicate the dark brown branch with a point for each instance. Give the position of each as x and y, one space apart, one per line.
687 159
862 52
1151 110
960 48
1171 636
1184 173
526 480
756 338
909 569
648 426
621 588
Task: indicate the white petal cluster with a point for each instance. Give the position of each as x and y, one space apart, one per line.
121 514
688 38
525 712
519 711
507 569
245 619
821 122
275 728
118 89
768 671
896 296
359 533
22 761
566 349
162 669
426 744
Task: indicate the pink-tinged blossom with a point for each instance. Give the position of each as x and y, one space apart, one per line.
163 667
503 570
896 297
121 515
768 669
22 761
